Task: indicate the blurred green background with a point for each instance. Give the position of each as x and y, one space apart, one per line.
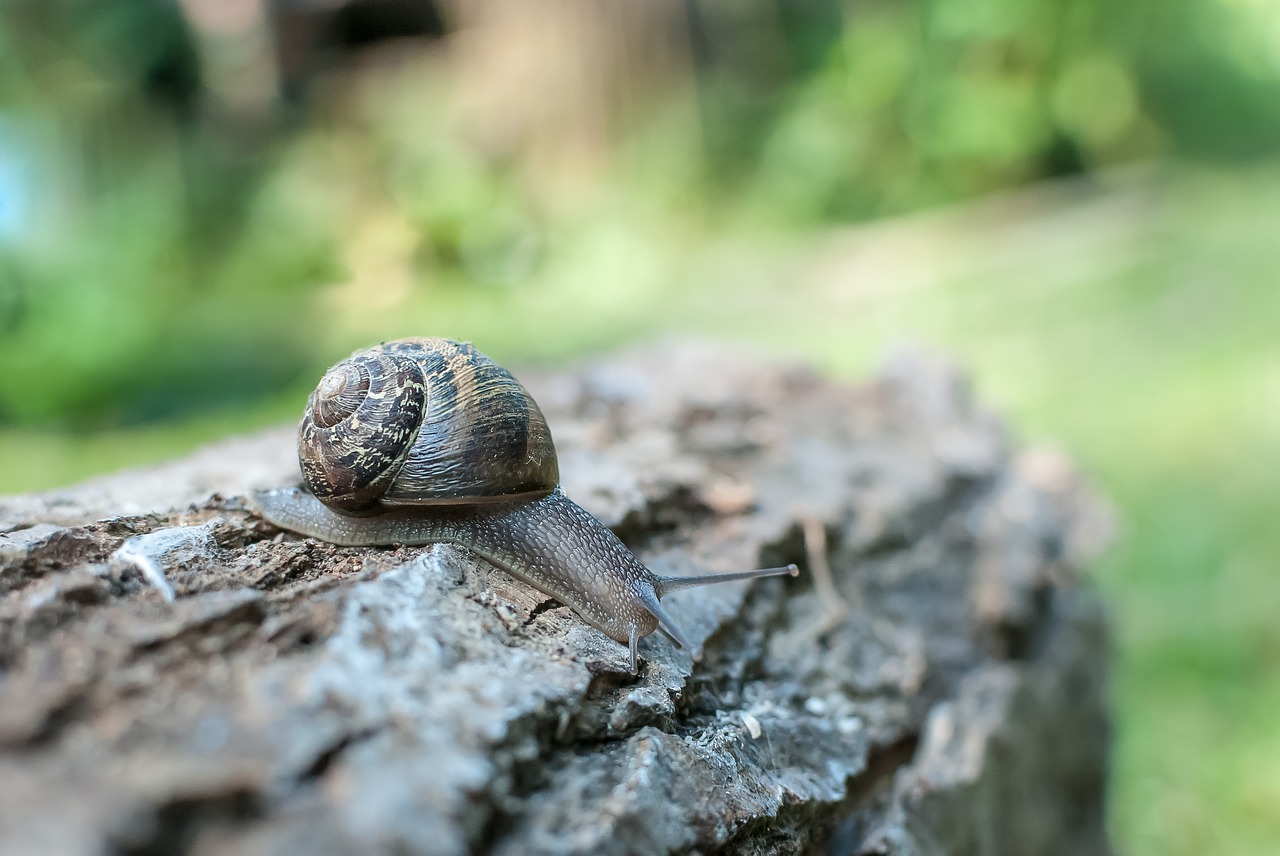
204 203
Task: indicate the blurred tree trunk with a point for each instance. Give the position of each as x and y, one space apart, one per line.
933 684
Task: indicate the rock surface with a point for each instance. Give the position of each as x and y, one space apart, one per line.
178 677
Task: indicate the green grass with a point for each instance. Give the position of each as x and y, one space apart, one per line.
35 459
1138 329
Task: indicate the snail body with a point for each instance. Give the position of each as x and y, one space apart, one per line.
423 441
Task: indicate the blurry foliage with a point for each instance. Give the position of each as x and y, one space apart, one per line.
159 253
146 274
928 102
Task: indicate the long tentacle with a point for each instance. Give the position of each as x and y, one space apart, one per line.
666 585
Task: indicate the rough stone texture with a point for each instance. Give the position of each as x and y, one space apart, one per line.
177 677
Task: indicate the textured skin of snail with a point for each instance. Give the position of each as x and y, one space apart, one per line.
425 441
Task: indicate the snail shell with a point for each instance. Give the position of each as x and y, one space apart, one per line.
423 422
423 441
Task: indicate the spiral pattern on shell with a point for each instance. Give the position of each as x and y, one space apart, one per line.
423 421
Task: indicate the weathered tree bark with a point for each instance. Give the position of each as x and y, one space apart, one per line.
941 691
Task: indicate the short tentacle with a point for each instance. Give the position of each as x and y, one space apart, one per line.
648 598
633 643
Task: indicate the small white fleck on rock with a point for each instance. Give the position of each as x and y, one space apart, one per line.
849 725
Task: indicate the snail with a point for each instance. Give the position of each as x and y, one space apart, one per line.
421 441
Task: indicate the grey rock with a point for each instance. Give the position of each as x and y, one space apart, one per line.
176 676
